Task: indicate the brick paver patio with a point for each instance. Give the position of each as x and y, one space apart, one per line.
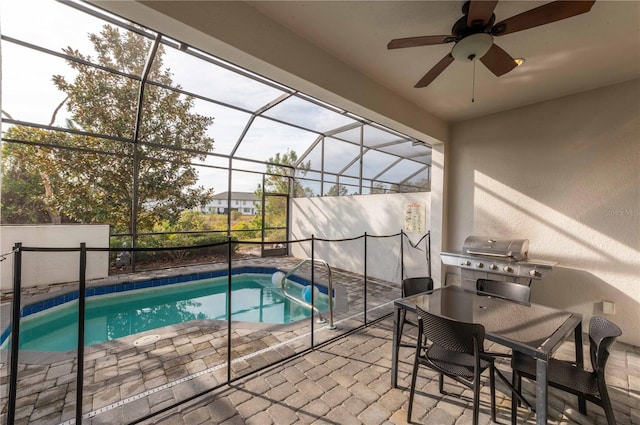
346 381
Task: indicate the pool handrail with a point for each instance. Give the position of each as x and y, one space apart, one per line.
304 303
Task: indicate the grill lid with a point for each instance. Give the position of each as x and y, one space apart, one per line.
514 249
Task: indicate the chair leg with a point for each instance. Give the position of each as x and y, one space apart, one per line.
412 391
492 385
518 386
606 403
441 384
476 400
516 381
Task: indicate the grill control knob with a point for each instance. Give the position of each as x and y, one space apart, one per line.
493 267
479 265
534 273
466 263
508 269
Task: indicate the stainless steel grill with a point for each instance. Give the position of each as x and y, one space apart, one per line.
496 259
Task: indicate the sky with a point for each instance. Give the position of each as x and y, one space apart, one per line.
29 95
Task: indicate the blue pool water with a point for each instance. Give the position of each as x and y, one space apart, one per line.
254 299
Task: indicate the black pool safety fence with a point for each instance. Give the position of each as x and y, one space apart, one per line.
423 246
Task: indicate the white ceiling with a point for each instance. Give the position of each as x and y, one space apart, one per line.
588 51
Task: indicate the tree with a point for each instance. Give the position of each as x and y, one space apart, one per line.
22 188
280 174
281 178
337 190
29 176
94 184
422 185
378 188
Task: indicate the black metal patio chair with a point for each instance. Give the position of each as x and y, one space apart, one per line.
566 376
455 351
412 286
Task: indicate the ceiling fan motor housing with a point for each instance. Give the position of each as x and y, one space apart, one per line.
472 41
472 47
461 29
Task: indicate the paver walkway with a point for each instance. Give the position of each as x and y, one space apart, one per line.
348 382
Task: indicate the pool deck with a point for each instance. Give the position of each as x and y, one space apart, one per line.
176 361
346 381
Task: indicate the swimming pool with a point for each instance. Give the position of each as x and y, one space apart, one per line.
120 313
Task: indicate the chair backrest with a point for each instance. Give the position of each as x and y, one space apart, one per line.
415 285
451 334
509 290
602 335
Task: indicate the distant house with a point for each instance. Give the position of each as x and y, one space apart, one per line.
244 202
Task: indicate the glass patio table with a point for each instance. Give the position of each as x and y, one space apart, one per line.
532 329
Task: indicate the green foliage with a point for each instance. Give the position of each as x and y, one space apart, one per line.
216 221
190 240
275 211
423 185
21 200
379 188
246 230
280 175
168 236
96 188
281 178
278 235
337 190
189 220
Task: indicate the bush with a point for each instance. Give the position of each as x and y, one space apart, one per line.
245 230
168 236
188 240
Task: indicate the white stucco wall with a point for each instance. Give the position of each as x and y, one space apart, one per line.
566 175
438 211
342 217
40 268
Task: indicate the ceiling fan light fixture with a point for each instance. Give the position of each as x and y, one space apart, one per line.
519 61
472 47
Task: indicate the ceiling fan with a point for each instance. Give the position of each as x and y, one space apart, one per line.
473 34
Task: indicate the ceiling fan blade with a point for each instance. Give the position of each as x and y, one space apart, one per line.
435 71
425 40
542 15
498 61
480 11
